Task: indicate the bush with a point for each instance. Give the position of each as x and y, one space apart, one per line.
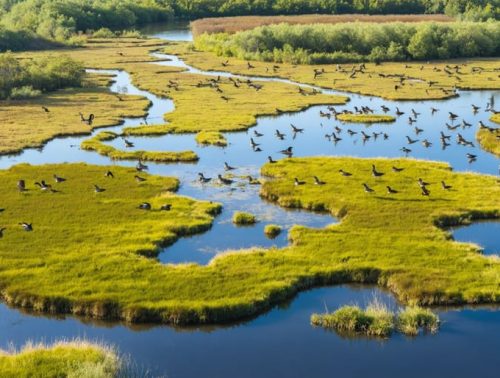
242 218
24 92
104 33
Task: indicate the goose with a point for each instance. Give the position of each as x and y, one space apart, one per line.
43 185
376 135
279 134
317 181
351 133
391 191
145 206
59 179
452 116
21 185
297 182
443 136
249 66
336 138
139 178
202 178
166 207
141 167
466 124
434 110
88 120
1 231
399 112
225 98
411 141
109 174
288 151
26 226
257 149
128 143
225 64
98 189
253 180
411 121
257 134
385 109
426 143
227 167
271 160
365 136
397 169
376 173
338 129
367 188
417 130
471 156
296 129
425 191
475 108
405 150
344 173
422 183
225 181
253 143
45 109
445 187
415 114
386 136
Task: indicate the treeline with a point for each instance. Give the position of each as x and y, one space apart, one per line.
30 78
357 42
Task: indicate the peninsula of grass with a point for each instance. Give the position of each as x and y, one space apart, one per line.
241 218
377 320
96 144
213 138
63 359
490 139
272 230
365 118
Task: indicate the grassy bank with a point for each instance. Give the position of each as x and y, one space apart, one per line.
86 253
390 80
235 24
213 138
63 359
97 144
365 118
377 320
490 139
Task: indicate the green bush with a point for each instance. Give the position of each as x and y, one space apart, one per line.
242 218
24 92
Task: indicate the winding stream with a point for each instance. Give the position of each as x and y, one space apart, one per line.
281 342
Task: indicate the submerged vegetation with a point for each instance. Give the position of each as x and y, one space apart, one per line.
241 218
357 42
377 320
62 359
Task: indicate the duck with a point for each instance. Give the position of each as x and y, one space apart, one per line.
145 206
26 226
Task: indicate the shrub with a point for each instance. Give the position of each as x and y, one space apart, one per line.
24 92
104 33
242 218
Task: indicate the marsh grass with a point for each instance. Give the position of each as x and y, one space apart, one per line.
272 230
241 218
76 358
365 118
490 140
214 138
377 320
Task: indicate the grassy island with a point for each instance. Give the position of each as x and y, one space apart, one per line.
365 118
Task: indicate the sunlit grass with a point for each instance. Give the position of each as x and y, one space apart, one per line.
214 138
365 118
242 218
490 140
272 230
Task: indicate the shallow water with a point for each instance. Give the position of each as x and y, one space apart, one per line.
484 234
281 342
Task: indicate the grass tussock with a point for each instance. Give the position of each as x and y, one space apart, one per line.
241 218
235 24
365 118
213 138
272 230
79 359
377 320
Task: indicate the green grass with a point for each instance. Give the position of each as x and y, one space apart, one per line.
377 320
489 140
214 138
96 144
272 230
365 118
63 359
241 218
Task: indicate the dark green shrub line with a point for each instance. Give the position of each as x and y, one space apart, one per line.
356 42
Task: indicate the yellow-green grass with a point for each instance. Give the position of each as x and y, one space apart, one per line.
213 138
96 144
377 320
272 230
365 118
377 80
23 123
62 359
242 218
490 140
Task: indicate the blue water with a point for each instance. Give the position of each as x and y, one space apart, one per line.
484 234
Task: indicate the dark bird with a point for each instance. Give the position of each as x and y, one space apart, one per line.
288 151
391 191
109 174
397 169
422 183
317 181
443 136
227 167
279 134
225 181
145 206
166 207
417 130
253 180
59 179
471 156
399 112
250 66
445 187
452 116
351 133
426 143
296 129
376 173
411 141
257 134
253 143
271 161
425 191
45 109
405 150
139 178
1 231
367 188
297 182
43 185
98 189
141 167
344 173
434 110
21 185
202 178
128 143
26 226
88 120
